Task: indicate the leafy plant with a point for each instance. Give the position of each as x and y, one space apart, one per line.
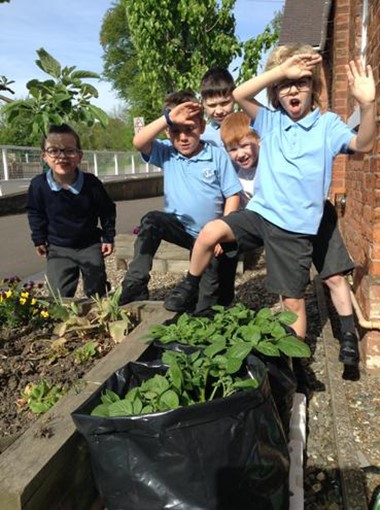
20 304
85 352
264 331
189 379
105 317
64 97
42 396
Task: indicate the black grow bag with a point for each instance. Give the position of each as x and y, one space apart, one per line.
228 454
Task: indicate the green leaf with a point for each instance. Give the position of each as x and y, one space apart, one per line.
101 410
287 317
233 365
268 348
215 347
120 408
246 384
264 313
239 350
98 114
84 74
293 347
109 396
168 400
48 63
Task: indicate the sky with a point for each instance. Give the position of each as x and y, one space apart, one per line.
69 30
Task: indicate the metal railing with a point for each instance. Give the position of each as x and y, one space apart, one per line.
25 162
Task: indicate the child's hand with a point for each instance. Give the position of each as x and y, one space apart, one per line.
107 249
41 250
361 82
300 65
218 250
184 113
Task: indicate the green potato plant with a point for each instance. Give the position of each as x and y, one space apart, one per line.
189 379
264 331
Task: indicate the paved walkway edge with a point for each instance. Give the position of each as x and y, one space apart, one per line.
352 480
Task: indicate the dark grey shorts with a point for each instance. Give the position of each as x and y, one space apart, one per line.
330 255
288 254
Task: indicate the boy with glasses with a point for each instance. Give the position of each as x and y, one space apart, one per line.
298 146
64 207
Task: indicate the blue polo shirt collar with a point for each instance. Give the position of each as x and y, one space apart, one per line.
307 122
215 125
74 188
204 155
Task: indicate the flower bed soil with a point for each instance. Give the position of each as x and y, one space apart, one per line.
27 357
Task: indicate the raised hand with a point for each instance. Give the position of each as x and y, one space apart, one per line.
361 82
184 113
300 65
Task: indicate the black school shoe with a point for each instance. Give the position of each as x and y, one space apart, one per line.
349 349
182 298
133 292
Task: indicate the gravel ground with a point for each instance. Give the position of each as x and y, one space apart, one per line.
322 481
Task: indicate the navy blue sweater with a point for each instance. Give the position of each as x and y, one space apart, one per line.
65 219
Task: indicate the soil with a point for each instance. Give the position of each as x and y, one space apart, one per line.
27 356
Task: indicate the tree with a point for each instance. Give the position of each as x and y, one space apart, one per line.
256 47
151 48
62 98
120 62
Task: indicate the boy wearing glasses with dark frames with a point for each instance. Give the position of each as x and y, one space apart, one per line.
64 208
298 146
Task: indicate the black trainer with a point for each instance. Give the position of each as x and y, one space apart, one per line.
183 298
133 292
349 349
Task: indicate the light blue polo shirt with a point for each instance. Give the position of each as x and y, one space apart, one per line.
295 165
211 134
195 188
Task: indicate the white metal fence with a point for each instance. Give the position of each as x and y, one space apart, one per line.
25 162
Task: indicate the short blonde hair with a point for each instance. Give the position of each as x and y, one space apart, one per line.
235 127
282 53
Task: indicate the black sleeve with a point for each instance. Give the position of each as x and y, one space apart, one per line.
107 213
38 221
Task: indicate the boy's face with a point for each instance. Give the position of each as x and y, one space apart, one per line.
186 139
218 107
244 153
295 97
62 156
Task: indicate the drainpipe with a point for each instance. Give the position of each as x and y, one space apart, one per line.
362 321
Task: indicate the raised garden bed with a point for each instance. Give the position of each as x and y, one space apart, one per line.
48 466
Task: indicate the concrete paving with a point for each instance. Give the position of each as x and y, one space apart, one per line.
17 253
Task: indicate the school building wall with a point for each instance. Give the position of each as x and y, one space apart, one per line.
358 176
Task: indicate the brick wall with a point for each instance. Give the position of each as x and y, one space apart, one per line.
358 176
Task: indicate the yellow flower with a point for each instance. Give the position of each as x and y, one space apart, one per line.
8 293
34 301
22 301
44 314
24 295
